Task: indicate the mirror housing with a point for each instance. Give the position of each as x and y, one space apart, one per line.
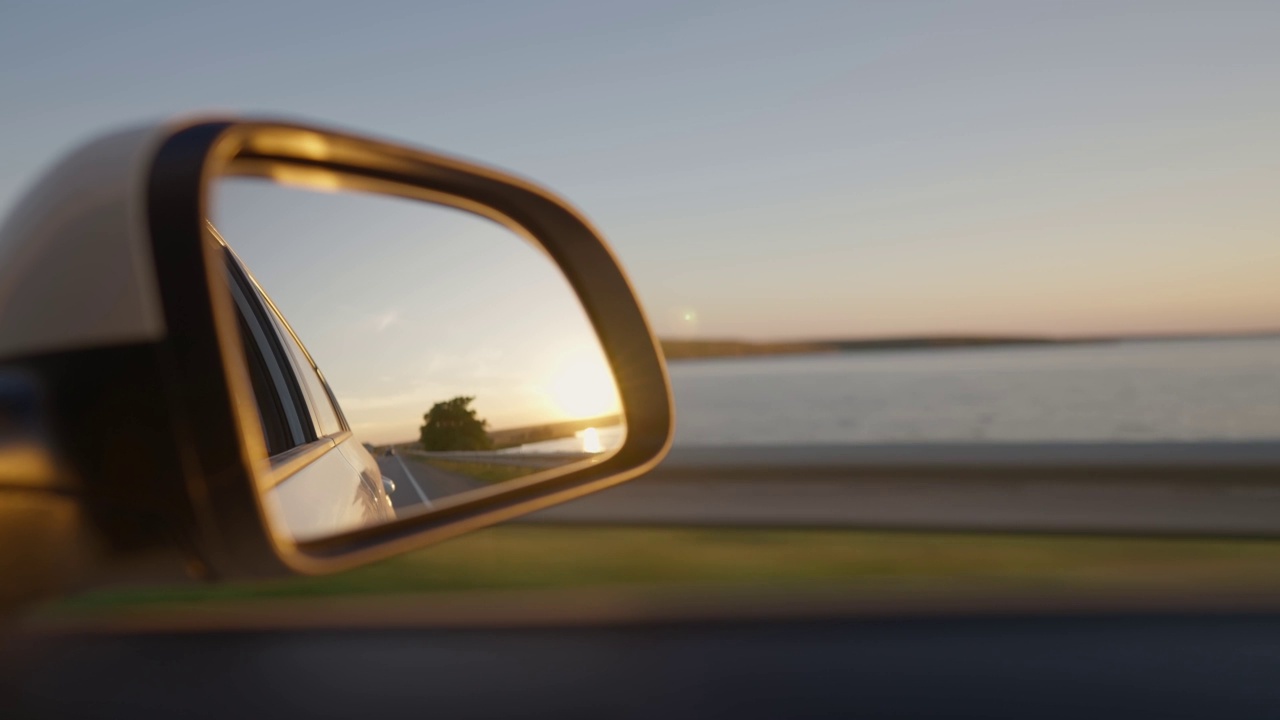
114 304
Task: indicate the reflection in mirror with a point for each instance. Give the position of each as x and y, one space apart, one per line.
451 347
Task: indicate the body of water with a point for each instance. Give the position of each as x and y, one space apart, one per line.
1132 391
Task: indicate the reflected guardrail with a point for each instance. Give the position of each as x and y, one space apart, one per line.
497 457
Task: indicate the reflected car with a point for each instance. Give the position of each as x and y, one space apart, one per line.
300 416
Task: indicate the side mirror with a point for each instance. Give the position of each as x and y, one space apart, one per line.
183 416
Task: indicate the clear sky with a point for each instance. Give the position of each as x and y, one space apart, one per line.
767 169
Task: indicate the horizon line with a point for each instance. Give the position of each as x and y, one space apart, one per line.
985 336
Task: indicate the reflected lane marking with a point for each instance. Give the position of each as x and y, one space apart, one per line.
413 481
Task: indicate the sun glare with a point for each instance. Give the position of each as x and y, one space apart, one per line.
583 386
591 441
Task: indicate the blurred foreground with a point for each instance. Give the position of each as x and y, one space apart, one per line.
581 567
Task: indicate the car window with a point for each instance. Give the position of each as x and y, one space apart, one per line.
275 428
875 240
279 398
324 416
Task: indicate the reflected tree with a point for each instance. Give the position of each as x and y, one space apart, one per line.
453 425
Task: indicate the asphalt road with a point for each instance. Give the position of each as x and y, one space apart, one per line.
418 484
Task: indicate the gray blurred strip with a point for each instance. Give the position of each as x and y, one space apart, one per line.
1192 489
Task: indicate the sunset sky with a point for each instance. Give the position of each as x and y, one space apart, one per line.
769 170
403 304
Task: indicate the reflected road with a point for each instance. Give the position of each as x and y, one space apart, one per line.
416 480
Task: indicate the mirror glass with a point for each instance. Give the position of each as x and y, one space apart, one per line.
452 354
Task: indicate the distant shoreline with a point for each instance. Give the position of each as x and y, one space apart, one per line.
517 436
719 349
514 437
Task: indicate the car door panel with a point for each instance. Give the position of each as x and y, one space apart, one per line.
326 496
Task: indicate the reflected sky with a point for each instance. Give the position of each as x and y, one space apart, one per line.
403 304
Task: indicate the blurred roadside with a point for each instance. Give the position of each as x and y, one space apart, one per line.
540 574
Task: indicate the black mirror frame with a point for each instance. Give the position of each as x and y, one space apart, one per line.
227 456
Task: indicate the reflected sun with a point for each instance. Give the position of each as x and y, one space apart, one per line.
591 441
583 386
